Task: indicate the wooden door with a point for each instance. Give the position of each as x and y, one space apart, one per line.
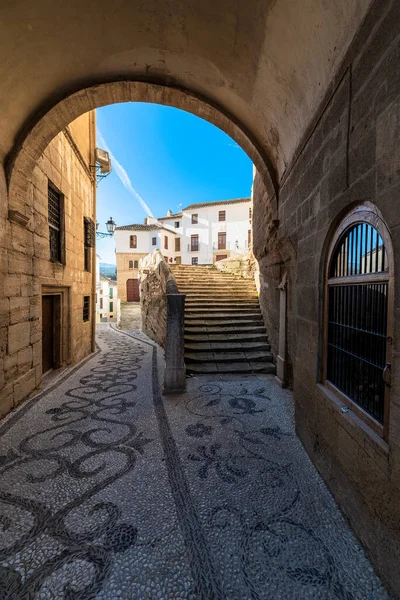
178 260
48 358
132 290
221 257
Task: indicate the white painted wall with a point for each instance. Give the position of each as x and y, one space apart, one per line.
236 226
104 293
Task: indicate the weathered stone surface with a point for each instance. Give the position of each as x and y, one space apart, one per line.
23 386
18 337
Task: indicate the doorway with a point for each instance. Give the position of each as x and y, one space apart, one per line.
132 290
50 332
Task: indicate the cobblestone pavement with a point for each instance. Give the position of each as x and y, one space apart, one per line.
109 490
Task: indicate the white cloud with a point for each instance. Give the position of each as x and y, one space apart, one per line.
123 175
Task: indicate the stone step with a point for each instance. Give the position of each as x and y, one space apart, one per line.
221 311
244 306
227 300
235 328
220 295
225 346
223 336
231 356
231 289
221 317
233 368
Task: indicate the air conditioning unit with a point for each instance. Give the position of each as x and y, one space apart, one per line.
103 160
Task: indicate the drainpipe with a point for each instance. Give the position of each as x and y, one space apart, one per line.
92 137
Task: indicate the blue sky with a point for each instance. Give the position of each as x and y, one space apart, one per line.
166 157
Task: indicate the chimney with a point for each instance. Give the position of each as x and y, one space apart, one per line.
145 221
169 213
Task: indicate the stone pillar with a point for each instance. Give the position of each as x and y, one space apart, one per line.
281 358
175 371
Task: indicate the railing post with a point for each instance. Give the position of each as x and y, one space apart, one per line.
175 371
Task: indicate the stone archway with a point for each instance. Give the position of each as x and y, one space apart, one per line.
27 150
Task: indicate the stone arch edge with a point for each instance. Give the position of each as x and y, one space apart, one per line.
39 132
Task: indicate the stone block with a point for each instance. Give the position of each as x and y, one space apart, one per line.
24 386
37 353
24 358
3 340
19 309
12 285
6 400
19 263
18 337
35 331
11 366
4 312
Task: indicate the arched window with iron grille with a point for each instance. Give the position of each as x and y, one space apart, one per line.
359 314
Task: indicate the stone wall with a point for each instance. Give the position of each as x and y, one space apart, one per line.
124 272
154 276
243 265
26 270
350 154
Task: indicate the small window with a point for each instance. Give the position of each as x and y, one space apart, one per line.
135 264
111 306
154 241
101 291
101 303
221 240
89 237
165 242
250 213
195 260
133 241
358 323
222 215
195 219
194 243
86 308
56 223
177 244
111 292
131 264
177 224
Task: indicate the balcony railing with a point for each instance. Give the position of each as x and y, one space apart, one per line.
232 246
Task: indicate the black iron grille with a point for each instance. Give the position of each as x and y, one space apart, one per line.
90 232
360 252
86 308
54 214
357 343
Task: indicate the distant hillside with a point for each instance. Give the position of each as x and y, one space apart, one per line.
108 270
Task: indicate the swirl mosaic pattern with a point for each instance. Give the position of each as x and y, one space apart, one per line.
108 491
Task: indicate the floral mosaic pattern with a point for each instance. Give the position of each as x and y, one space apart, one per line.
108 490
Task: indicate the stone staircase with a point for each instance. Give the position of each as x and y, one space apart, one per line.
224 329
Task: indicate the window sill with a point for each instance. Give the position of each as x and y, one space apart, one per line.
360 430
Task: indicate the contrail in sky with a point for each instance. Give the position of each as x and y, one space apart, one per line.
123 175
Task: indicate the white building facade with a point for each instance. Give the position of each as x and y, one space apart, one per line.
107 301
200 234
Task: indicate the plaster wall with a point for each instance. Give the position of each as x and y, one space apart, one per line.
266 63
350 155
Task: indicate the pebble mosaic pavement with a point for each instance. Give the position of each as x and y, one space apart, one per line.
111 491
